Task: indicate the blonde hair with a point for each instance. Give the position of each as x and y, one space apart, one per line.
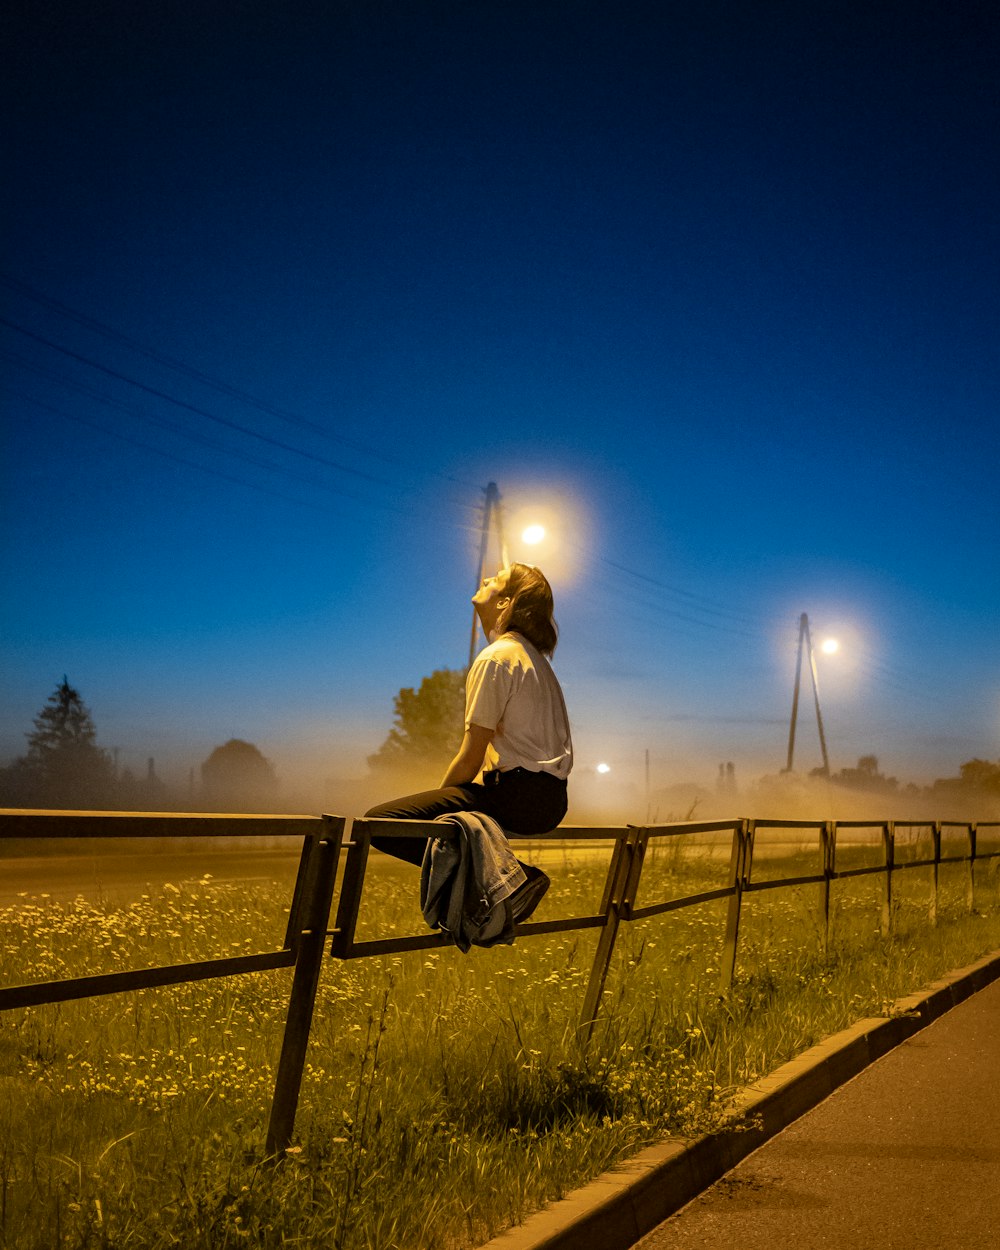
530 609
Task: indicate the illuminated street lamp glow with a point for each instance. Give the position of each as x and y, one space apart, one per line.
830 646
604 768
533 534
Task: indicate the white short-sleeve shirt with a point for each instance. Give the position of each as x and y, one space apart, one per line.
512 689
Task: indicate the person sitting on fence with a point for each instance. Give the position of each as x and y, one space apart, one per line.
517 735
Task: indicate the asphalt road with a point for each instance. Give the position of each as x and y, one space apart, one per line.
906 1156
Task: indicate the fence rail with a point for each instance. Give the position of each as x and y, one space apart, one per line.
302 949
116 825
322 839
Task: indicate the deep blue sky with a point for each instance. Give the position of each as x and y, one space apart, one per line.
714 285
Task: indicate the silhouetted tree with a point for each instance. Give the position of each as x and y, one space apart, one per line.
236 776
428 725
981 775
977 780
64 766
865 777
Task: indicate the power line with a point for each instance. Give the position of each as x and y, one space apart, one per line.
194 435
695 603
226 388
656 611
737 624
201 412
711 606
158 451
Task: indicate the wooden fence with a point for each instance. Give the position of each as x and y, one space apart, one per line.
302 949
322 839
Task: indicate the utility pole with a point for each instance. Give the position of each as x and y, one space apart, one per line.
805 639
492 514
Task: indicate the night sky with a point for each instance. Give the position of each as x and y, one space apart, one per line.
709 288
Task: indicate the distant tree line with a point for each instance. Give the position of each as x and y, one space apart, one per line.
865 776
975 777
64 768
429 720
978 781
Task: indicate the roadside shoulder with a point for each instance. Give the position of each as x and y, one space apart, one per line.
613 1211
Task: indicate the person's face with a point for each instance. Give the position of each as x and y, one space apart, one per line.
491 598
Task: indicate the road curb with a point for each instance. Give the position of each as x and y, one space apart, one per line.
622 1205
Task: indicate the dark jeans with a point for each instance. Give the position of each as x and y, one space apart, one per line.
521 802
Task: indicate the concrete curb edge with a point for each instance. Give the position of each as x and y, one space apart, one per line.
613 1211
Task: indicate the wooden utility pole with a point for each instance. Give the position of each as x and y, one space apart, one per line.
806 640
492 516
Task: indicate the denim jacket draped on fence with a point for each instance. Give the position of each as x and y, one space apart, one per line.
467 876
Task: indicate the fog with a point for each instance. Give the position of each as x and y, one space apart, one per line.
599 799
323 767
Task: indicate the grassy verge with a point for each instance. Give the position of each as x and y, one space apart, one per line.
445 1095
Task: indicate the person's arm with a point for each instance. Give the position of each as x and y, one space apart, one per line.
469 759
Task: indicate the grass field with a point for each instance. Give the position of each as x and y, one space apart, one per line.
445 1096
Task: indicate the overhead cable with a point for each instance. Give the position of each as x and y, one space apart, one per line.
206 379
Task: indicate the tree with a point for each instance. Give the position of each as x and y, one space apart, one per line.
64 765
428 725
236 775
977 780
865 777
981 775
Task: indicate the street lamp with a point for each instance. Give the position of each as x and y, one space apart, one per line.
492 516
538 530
829 647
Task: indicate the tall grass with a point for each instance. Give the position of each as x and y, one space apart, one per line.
445 1096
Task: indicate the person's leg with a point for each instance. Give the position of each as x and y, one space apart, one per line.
426 805
526 803
523 803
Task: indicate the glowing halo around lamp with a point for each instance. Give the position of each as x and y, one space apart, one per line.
550 529
604 768
830 646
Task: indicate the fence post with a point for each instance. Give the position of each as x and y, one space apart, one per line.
620 875
827 845
350 890
889 847
638 858
317 895
932 911
739 871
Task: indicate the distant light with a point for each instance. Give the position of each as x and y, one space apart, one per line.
533 534
830 646
604 768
